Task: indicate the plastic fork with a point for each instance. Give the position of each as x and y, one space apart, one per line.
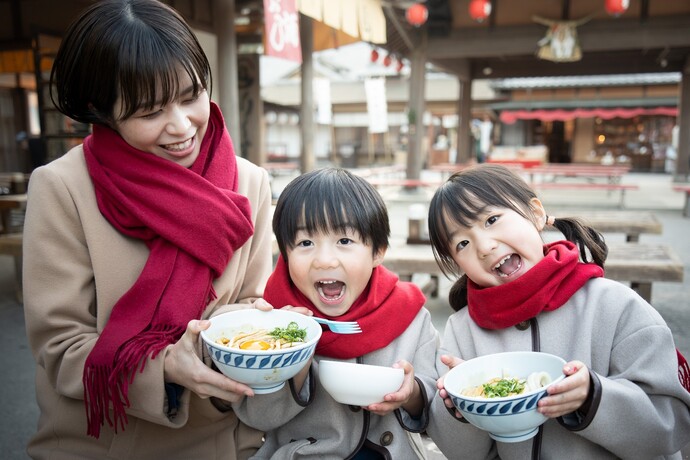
340 327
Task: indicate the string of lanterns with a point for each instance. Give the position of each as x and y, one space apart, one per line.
479 10
387 60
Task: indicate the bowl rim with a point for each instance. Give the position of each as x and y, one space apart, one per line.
350 363
479 399
210 342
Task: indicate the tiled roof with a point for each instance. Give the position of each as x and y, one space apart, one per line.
663 78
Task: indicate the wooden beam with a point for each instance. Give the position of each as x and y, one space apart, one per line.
620 34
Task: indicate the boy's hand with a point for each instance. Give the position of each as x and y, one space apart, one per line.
569 394
408 396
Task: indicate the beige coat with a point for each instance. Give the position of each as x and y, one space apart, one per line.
76 266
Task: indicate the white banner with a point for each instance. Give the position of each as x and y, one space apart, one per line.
322 95
377 107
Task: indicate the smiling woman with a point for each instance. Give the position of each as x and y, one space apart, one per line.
162 227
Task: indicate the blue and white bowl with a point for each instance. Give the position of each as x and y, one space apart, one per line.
511 418
265 371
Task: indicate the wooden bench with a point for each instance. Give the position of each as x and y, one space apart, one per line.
286 167
612 172
685 188
407 183
11 245
638 263
609 187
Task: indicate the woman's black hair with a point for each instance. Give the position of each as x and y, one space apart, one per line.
468 192
135 49
327 200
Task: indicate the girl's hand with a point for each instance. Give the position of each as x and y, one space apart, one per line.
408 396
451 362
569 394
302 310
184 367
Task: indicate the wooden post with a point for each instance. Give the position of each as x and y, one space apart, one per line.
227 80
306 36
683 155
416 108
464 144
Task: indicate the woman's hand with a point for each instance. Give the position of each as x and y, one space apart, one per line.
184 367
569 394
451 362
302 310
408 396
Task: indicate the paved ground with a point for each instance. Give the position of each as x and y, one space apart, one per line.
20 413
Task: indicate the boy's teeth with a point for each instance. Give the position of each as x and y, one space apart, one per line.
498 265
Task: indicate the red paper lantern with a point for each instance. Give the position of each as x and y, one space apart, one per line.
417 14
480 9
616 7
387 60
400 66
374 55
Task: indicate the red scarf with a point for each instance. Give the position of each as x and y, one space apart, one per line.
192 220
545 287
384 310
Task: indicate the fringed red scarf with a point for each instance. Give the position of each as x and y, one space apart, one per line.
384 310
192 220
547 286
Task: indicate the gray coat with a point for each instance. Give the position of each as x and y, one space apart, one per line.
312 425
640 409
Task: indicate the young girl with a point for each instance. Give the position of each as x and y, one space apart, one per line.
622 395
332 230
133 237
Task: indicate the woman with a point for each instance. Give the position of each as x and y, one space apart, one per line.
132 240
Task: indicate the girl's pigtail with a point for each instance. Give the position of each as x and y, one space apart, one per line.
589 241
457 296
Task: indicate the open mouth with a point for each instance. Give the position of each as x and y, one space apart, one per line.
508 265
330 291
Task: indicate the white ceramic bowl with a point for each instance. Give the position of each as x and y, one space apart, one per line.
265 371
507 419
358 384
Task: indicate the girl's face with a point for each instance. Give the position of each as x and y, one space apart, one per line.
173 131
332 269
500 246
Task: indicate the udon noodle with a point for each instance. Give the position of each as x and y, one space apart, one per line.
499 387
263 339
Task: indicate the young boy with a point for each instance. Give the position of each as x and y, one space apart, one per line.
332 230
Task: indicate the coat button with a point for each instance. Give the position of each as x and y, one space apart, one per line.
386 438
522 325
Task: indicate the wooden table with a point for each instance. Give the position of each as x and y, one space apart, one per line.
630 223
7 204
640 264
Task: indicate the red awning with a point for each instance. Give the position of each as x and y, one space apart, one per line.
511 116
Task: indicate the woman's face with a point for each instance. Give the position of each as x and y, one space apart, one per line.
499 246
332 269
173 131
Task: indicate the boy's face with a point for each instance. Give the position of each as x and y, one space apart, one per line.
332 269
173 131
